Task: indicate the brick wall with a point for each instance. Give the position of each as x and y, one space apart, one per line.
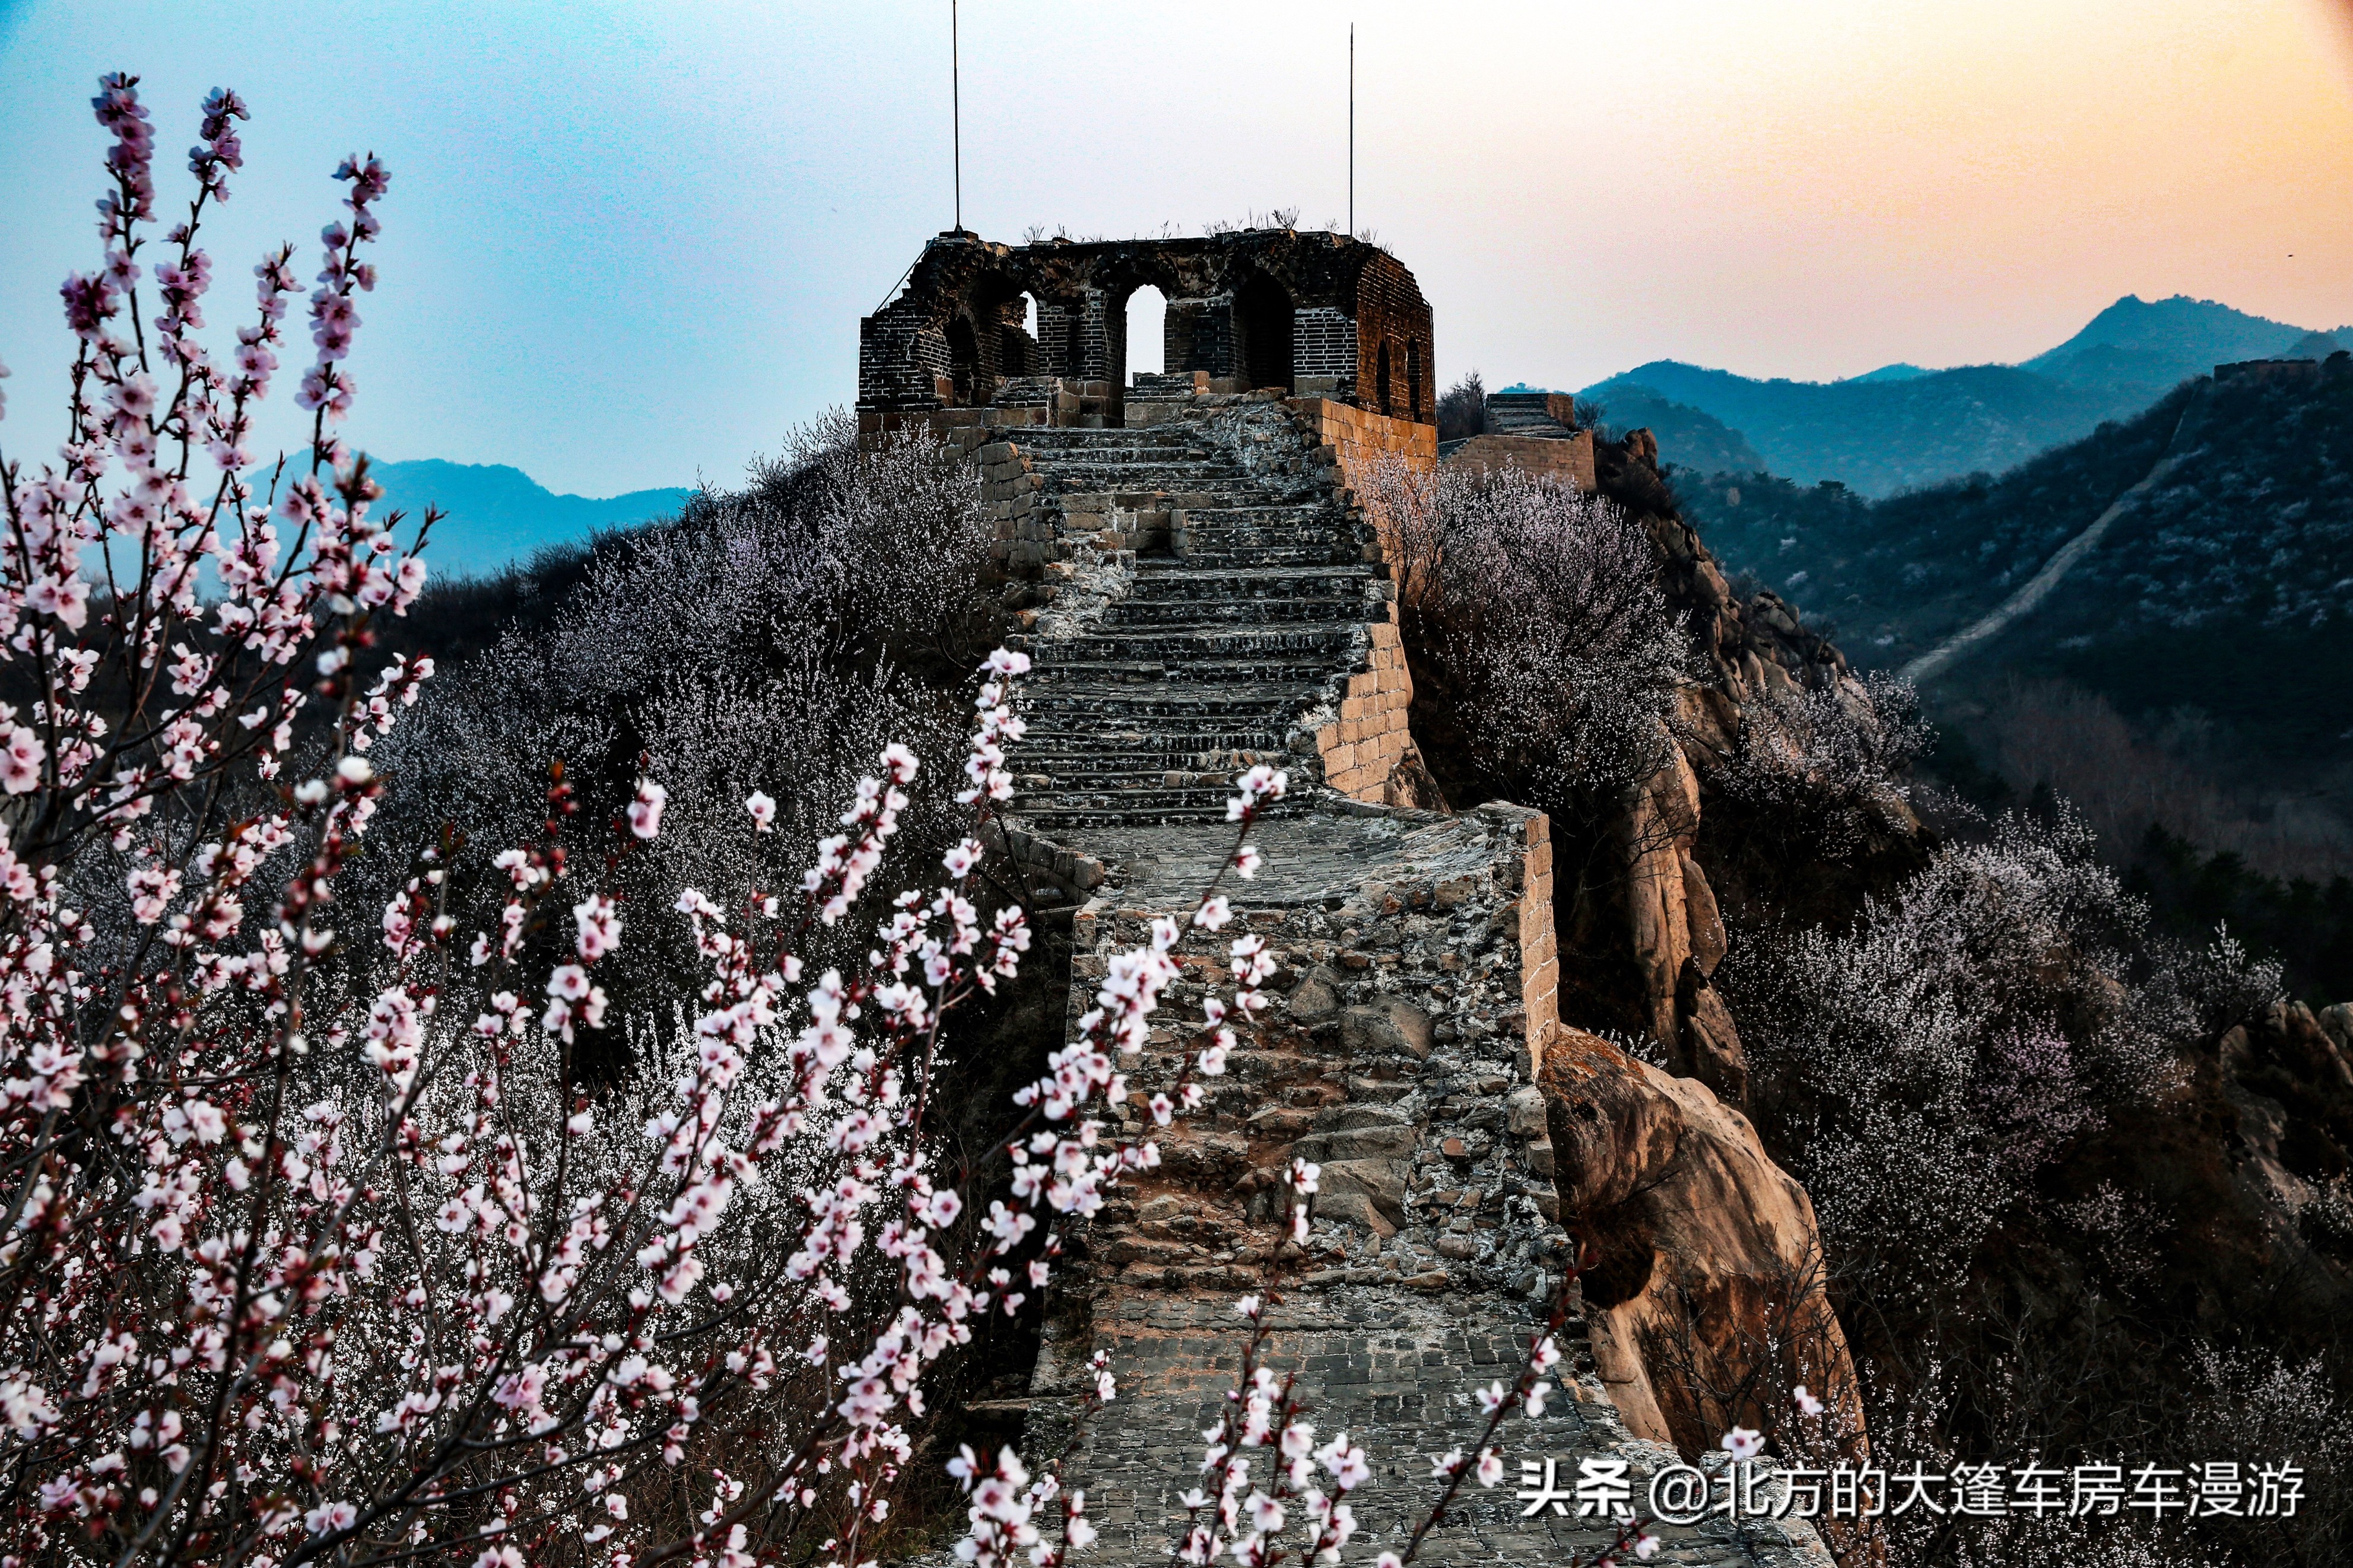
1391 311
1324 354
1570 460
1369 739
1349 303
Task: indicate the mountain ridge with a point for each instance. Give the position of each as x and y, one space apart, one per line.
1902 426
499 516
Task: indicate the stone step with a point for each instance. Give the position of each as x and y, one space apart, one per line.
1275 525
1273 528
1203 614
1260 513
1330 643
1197 747
1280 671
1326 554
1158 474
1159 579
1252 706
1206 798
1204 668
1047 820
1059 767
1079 436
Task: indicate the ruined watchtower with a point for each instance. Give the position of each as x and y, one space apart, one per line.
1314 314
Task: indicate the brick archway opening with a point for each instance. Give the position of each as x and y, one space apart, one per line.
963 359
1146 311
1263 315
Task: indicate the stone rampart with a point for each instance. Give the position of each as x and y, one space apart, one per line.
1570 458
1403 1057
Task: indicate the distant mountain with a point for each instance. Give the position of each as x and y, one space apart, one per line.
2149 346
1687 438
1901 426
499 516
2228 587
1879 437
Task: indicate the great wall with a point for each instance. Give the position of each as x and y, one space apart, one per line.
1201 590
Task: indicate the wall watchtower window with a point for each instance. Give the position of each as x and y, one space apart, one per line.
964 359
1263 318
1147 327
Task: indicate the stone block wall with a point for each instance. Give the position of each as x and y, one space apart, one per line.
1358 437
1366 737
1569 459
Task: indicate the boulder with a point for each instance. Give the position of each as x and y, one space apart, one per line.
1370 1193
1704 1262
1384 1027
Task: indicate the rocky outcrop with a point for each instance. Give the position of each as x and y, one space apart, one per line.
1753 651
1706 1256
2278 1091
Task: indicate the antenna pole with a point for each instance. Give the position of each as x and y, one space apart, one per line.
1351 130
956 109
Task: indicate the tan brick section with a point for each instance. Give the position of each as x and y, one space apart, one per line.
1569 459
1359 437
1366 749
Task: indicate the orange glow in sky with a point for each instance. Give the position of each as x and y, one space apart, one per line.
629 240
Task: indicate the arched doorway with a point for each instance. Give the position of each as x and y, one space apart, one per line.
1019 354
964 358
1262 316
1146 334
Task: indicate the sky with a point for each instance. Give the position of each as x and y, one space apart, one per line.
627 244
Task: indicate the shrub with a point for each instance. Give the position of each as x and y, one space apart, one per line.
1540 605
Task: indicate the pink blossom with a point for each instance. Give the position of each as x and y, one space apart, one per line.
645 811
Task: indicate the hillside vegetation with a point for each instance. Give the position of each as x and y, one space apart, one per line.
2189 685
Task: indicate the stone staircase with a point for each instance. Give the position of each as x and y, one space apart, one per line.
1236 605
1204 596
1530 413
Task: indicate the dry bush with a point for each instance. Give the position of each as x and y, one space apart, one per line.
1541 607
1462 409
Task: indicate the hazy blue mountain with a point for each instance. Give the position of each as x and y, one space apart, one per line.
1687 438
1900 426
1880 436
2153 344
499 516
